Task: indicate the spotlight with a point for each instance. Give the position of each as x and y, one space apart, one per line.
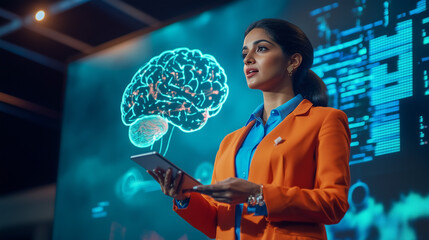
40 15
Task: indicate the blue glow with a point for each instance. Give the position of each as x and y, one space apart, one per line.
338 47
426 82
386 13
326 8
131 183
99 211
351 31
421 7
368 26
395 223
99 215
203 173
356 124
402 15
423 140
181 87
362 51
378 23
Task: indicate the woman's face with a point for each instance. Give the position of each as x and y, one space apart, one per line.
264 62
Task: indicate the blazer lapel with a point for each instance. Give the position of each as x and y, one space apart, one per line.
227 169
260 171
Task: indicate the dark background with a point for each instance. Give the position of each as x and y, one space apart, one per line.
33 62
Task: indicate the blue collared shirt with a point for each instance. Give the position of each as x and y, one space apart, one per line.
247 150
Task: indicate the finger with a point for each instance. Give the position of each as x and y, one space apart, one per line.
226 194
177 181
167 180
218 187
153 175
208 192
172 192
161 182
175 185
199 190
227 180
159 174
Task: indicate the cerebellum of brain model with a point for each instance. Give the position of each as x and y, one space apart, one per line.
181 87
146 130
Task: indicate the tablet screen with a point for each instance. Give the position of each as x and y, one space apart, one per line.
154 160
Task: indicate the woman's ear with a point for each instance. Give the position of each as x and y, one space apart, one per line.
295 61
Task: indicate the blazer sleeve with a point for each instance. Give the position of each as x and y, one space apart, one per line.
202 211
327 201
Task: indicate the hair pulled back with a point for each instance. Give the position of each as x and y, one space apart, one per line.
293 40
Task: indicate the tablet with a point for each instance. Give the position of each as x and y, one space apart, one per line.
154 160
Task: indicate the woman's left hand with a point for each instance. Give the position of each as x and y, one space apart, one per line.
231 190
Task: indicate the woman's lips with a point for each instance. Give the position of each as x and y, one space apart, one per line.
251 72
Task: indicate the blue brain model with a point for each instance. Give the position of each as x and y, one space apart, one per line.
182 87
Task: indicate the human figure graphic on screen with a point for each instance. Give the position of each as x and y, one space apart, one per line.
285 174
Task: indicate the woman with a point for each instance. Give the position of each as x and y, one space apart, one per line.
285 174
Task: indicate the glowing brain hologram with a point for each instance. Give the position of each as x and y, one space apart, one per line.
179 88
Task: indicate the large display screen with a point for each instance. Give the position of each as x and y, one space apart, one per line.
179 90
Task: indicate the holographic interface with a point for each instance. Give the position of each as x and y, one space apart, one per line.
369 219
180 87
368 69
133 182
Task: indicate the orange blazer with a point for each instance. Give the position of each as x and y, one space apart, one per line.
305 179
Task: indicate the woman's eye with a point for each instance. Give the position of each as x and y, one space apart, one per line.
244 55
262 48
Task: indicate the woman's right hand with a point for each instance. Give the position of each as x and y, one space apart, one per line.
170 186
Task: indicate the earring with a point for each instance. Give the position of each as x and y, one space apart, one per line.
290 70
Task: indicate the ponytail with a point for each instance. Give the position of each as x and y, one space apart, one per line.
311 87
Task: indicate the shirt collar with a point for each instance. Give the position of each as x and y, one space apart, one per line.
256 114
283 109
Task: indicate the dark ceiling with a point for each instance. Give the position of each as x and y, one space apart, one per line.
34 57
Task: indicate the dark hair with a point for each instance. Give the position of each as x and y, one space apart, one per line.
293 40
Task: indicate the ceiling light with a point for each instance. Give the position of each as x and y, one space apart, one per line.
40 15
